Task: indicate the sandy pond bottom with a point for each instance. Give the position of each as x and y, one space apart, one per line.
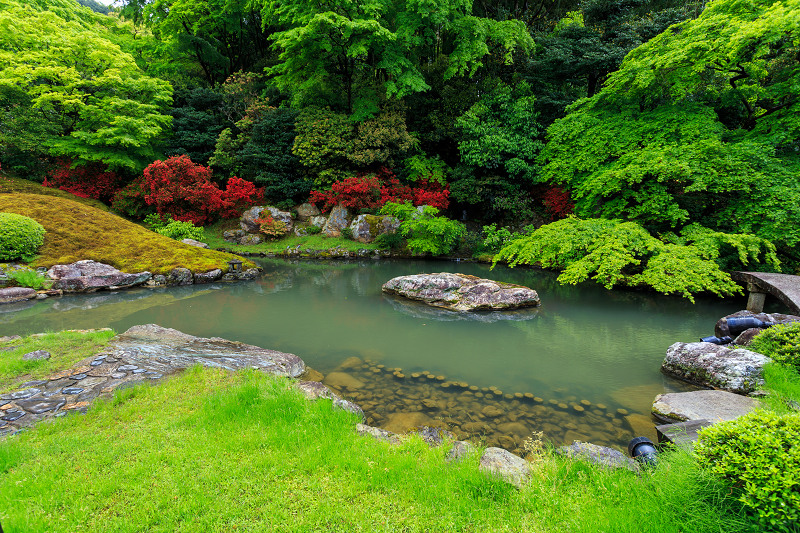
585 365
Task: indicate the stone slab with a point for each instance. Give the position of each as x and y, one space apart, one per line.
681 433
711 405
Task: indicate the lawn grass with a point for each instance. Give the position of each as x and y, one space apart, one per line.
219 452
66 348
78 231
312 242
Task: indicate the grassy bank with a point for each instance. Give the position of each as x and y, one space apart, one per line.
80 231
218 451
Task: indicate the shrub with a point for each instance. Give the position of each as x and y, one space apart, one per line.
781 343
759 455
494 239
179 230
30 278
347 233
271 227
313 230
425 232
87 181
129 201
20 237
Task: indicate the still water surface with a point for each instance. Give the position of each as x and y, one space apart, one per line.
583 347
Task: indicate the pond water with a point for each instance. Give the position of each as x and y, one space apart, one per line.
584 365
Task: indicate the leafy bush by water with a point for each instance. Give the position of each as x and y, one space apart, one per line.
20 237
781 343
29 278
759 455
426 232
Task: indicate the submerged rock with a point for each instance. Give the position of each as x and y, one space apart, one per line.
462 292
88 275
736 370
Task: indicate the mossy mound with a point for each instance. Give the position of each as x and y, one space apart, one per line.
78 231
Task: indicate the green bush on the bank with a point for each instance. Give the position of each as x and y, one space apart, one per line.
425 232
759 455
781 343
20 237
174 229
29 278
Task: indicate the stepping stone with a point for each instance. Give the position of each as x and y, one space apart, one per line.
21 394
38 407
711 405
681 433
72 390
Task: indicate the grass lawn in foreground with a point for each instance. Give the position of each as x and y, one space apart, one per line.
218 451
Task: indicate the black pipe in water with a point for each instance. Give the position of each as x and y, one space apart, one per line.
643 450
717 340
742 323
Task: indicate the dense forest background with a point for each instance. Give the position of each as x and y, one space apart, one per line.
672 114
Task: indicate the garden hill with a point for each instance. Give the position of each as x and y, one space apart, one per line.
78 231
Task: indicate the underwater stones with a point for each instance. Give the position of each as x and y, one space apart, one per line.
711 405
433 436
403 421
492 411
505 465
341 380
312 375
461 292
642 426
599 455
12 295
736 370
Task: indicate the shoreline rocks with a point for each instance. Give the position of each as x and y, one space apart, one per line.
733 369
462 292
711 405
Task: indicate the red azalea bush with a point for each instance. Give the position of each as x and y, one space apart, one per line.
87 181
184 191
370 191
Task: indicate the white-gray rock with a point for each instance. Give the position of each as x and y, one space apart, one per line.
336 222
711 405
506 465
192 242
306 211
599 455
736 370
366 228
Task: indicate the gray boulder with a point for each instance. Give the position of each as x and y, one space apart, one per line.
192 242
12 295
250 239
461 292
711 405
208 277
744 338
248 220
366 228
599 455
88 275
38 355
318 221
233 235
306 211
505 465
736 370
336 222
166 350
180 276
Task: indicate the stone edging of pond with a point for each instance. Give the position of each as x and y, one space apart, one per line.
151 353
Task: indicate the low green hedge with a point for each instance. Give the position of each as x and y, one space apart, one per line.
20 237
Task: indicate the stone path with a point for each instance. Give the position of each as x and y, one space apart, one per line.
143 354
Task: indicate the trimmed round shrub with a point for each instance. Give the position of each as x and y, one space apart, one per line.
20 237
759 454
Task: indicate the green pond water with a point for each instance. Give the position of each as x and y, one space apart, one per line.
584 365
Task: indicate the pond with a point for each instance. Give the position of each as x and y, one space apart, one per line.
584 365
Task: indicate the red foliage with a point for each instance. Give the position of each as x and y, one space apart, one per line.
184 190
373 191
557 201
88 181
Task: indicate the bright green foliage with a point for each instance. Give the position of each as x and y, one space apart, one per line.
419 167
500 131
759 454
699 125
85 98
20 237
781 343
25 277
352 52
614 253
425 232
495 239
175 229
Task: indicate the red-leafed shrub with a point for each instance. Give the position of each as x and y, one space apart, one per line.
557 202
87 181
184 191
374 191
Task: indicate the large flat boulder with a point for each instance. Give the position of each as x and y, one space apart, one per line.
732 369
711 405
12 295
461 292
88 276
167 350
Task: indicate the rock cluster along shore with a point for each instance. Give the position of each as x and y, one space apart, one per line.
462 292
90 276
150 353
